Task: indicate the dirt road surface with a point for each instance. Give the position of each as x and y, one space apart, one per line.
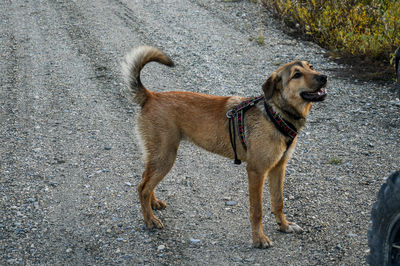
70 161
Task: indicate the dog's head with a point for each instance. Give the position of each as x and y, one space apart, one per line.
296 84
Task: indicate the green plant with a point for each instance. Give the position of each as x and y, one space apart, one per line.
335 160
260 39
365 28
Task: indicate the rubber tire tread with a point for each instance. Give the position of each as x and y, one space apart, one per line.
383 211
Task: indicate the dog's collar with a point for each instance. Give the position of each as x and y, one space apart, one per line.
284 126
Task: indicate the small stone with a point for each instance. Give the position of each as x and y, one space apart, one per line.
69 250
161 247
128 184
231 203
396 102
351 234
107 148
194 241
339 246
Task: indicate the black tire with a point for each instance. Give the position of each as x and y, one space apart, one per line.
384 233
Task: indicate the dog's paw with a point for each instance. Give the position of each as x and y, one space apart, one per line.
154 222
158 205
262 242
292 228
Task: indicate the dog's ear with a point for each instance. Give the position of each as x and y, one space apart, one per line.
270 85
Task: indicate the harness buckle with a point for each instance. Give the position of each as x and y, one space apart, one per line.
230 114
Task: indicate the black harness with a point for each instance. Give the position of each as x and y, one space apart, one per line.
236 123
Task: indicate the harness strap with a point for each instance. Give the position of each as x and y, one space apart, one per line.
284 126
232 137
236 122
236 114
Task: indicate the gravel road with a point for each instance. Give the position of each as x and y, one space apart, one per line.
70 161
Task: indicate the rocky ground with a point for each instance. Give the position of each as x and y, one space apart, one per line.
70 160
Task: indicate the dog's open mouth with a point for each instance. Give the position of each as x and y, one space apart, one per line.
315 96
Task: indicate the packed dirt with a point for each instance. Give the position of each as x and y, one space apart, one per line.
70 160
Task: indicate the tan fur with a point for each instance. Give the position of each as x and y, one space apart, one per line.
168 117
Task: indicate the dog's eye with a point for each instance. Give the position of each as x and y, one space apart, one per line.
297 75
311 66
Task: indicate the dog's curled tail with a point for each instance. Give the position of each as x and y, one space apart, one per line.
133 63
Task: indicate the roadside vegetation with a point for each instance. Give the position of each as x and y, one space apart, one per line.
369 29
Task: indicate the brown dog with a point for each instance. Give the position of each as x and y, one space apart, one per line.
168 117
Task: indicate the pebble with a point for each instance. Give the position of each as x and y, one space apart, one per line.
231 203
237 259
161 247
397 102
194 241
128 184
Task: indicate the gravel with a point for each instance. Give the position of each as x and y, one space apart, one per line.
70 160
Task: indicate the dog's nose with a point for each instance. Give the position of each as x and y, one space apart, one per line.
322 79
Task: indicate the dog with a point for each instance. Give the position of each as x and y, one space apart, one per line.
166 118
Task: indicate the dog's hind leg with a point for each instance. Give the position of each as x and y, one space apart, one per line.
158 163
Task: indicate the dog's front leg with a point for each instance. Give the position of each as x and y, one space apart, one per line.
256 185
276 177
